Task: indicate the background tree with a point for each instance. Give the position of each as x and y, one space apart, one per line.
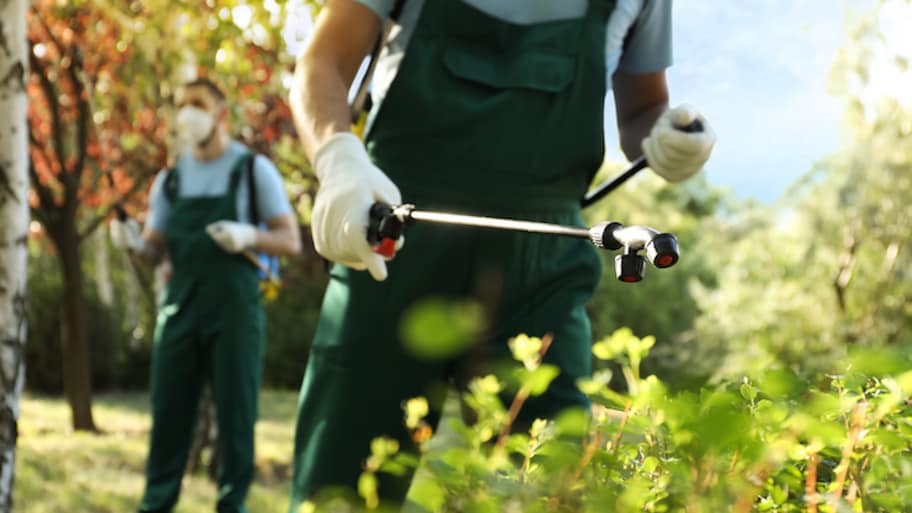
102 77
74 56
14 220
826 268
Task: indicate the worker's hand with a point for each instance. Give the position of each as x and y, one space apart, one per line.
232 236
127 235
349 184
675 154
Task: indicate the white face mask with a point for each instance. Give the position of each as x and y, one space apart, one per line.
194 125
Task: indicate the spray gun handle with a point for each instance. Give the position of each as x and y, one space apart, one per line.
693 127
384 229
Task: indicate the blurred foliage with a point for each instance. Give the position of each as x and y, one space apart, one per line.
827 268
772 441
120 331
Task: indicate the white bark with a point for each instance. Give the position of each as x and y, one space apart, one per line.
14 220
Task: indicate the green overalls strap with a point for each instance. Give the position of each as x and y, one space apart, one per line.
483 117
209 327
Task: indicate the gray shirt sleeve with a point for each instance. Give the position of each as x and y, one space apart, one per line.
271 198
381 7
159 206
647 48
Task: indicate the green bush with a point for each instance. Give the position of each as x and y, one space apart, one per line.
119 354
291 320
775 441
121 351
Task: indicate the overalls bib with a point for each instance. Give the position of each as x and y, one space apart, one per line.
483 117
209 327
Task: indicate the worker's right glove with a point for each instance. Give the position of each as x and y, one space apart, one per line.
127 235
676 154
349 184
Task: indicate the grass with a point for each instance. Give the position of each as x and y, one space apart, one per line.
58 470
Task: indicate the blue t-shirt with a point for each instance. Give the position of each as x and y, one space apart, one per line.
211 178
638 33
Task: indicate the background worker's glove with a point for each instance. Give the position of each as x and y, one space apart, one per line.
127 235
349 184
674 154
232 236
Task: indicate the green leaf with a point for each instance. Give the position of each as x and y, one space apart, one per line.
573 422
367 489
526 349
618 343
748 392
518 443
384 447
650 464
780 384
438 329
882 361
415 410
427 494
539 379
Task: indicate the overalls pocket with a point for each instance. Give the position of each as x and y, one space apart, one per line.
536 71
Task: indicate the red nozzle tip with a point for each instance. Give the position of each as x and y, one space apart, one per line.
387 248
665 261
629 279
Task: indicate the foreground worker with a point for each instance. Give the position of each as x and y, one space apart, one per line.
488 107
204 217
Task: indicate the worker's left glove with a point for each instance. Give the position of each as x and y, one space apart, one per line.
232 236
675 154
127 234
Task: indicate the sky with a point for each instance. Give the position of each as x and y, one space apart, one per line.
758 70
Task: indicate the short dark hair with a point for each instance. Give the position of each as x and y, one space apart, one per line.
209 85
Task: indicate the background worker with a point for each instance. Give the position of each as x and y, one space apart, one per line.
210 320
488 107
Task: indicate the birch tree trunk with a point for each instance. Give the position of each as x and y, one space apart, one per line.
14 219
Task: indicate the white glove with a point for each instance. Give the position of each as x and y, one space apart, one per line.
674 154
349 184
232 236
127 235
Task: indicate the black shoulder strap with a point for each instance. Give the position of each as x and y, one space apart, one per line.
251 191
171 183
362 102
396 11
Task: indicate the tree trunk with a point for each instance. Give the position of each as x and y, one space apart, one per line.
14 219
77 378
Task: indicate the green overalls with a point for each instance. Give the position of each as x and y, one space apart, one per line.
209 327
484 117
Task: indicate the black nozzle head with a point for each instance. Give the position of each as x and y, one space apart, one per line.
695 126
630 267
383 224
663 250
602 235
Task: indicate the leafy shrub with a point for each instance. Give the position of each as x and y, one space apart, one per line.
774 441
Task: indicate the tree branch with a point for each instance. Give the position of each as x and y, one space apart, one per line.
844 275
82 123
98 219
45 197
50 95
